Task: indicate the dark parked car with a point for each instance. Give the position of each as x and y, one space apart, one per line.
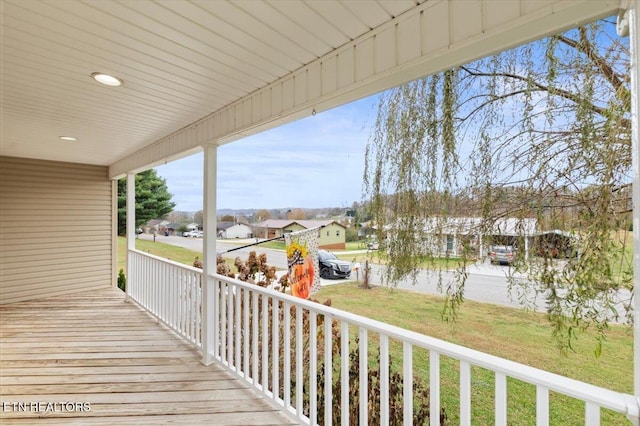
503 255
332 267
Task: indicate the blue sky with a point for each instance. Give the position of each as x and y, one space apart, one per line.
314 162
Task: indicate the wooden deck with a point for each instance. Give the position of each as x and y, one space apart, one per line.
96 359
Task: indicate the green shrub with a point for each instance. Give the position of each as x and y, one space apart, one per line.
122 280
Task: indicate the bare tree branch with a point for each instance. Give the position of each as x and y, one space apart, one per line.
556 91
586 47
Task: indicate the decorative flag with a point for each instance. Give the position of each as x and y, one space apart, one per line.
302 260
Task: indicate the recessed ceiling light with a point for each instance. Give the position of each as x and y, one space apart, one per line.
68 138
107 79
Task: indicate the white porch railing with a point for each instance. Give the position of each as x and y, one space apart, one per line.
277 343
171 291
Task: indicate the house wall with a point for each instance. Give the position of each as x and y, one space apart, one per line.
292 228
332 236
56 228
238 231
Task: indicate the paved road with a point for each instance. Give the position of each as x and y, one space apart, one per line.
276 258
485 283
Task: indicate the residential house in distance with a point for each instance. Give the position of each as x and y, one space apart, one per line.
228 230
447 236
156 226
332 234
170 229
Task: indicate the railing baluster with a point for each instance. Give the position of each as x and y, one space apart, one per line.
542 406
177 301
591 414
465 393
223 321
145 285
193 303
229 320
146 279
286 368
501 400
238 339
148 282
328 369
172 293
201 281
247 333
191 298
141 271
313 368
217 298
160 284
173 296
197 309
156 294
275 349
264 368
434 388
363 367
184 300
299 365
164 301
168 299
384 380
407 383
344 372
255 334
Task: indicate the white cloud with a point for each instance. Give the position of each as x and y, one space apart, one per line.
315 162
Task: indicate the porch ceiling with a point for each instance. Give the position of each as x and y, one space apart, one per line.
200 71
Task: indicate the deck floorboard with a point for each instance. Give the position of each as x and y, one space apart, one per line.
111 363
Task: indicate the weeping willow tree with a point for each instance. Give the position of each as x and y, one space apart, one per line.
538 134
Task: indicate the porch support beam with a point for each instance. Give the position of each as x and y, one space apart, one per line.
431 37
131 226
209 254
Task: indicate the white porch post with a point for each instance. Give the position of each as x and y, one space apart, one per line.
209 331
634 27
131 227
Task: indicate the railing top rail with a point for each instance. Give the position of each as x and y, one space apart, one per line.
169 261
605 397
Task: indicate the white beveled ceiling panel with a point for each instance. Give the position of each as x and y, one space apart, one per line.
198 71
180 60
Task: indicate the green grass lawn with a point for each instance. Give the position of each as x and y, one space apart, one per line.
379 257
510 333
277 245
166 251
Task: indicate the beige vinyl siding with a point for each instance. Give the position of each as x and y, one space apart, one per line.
56 228
333 236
